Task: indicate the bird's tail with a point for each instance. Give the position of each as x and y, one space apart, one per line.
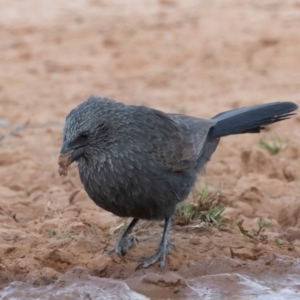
250 119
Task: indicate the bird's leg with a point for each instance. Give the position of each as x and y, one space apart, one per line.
162 250
123 244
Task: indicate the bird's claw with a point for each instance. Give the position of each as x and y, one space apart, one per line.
122 246
159 255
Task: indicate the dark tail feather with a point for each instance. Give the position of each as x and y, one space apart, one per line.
250 119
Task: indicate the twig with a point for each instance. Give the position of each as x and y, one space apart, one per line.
45 125
14 131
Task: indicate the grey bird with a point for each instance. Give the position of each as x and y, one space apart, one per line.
139 162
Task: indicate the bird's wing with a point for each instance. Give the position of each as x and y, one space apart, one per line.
173 142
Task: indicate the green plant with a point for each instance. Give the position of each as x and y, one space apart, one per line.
262 225
206 207
243 230
68 235
214 215
274 145
186 212
278 241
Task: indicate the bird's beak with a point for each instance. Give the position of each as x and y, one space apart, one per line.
76 152
67 156
65 148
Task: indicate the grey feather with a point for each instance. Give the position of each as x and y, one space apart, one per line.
139 162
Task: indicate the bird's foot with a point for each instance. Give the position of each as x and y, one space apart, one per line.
122 246
159 255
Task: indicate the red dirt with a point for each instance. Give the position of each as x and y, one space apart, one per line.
198 58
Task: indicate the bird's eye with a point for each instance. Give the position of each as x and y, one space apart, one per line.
84 135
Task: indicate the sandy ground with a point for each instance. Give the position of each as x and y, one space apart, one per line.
193 57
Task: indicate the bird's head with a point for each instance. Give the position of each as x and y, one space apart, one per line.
86 132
